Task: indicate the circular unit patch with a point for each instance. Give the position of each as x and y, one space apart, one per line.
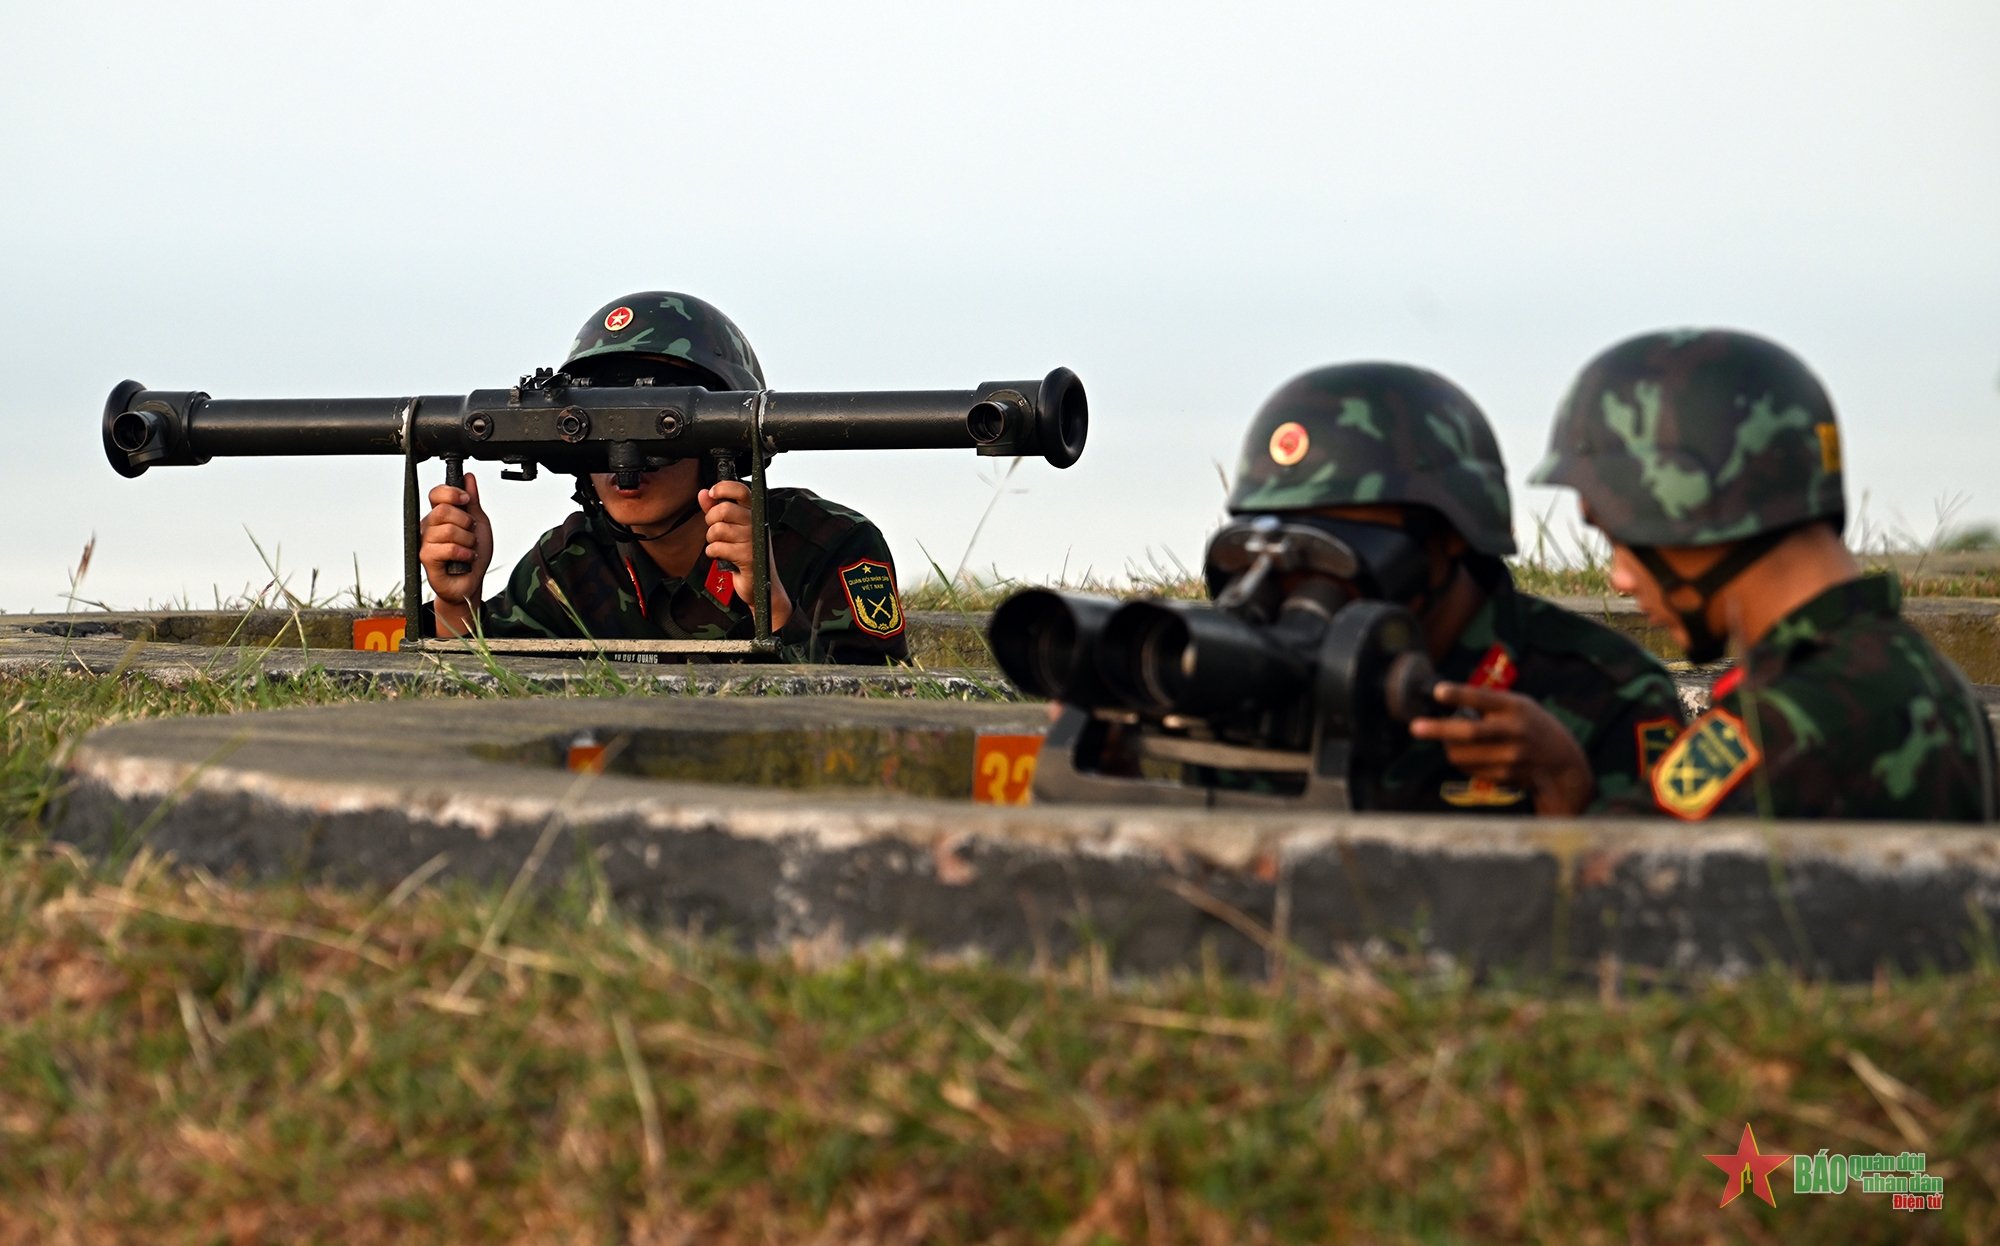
1289 443
617 318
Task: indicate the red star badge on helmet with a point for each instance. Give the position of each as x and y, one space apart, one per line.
617 318
1289 443
1747 1170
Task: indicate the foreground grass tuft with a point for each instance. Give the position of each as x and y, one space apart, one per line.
48 712
183 1060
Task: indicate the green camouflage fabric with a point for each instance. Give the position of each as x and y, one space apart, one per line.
1842 710
1608 692
1377 433
1697 437
665 325
616 591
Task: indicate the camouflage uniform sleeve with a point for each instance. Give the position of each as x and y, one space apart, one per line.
1818 749
1613 697
525 609
531 607
1740 761
1873 727
1626 744
857 575
516 611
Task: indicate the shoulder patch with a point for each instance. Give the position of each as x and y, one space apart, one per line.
1704 765
1495 670
1655 736
719 584
1726 683
871 597
1480 794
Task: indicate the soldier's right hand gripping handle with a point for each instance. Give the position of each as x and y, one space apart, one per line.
725 469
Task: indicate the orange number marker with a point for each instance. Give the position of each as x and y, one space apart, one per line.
383 635
1003 768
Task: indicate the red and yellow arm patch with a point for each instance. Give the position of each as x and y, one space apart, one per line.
1704 765
871 597
1498 670
1655 736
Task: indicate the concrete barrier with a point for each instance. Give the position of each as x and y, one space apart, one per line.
104 645
937 637
373 793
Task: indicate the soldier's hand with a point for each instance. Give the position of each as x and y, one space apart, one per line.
456 530
1512 741
726 507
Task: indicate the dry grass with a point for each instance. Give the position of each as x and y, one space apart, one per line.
1921 576
185 1061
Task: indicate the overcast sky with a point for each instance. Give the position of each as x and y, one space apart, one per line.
1186 204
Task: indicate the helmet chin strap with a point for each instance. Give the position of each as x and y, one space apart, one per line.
1420 602
586 497
1705 644
1437 586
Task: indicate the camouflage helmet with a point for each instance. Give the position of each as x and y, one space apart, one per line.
1377 434
663 325
1697 437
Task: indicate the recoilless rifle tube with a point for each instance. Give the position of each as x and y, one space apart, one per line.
571 427
567 425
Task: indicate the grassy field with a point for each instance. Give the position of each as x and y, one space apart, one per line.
1939 576
1556 566
187 1060
971 594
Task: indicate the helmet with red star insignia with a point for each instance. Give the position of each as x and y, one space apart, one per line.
1377 433
672 338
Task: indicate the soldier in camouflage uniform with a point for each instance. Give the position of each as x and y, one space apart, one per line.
1556 705
645 563
1712 462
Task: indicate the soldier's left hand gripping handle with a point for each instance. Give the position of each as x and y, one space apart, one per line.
580 428
454 475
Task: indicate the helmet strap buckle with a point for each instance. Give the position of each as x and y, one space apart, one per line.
1689 597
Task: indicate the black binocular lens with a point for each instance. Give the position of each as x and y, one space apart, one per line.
1186 658
1043 642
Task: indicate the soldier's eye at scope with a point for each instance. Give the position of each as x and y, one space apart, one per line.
626 372
1374 559
652 465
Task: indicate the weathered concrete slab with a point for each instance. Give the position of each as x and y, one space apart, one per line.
24 651
315 629
107 644
937 638
372 793
1967 630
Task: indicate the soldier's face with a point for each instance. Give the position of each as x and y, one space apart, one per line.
1443 550
1630 578
662 496
1384 516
